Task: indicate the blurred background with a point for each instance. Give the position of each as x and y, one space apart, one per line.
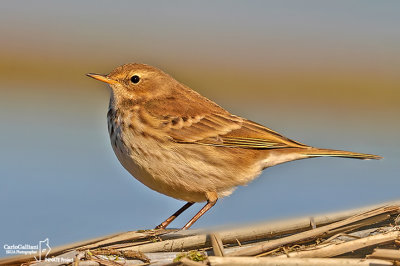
323 73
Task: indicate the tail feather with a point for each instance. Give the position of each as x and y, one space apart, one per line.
315 152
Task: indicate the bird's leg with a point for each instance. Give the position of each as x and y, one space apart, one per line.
199 214
164 224
212 198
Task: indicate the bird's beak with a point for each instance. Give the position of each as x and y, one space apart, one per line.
102 78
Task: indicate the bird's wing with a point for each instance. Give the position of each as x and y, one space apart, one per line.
226 130
191 118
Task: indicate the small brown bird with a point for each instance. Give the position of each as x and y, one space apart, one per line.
185 146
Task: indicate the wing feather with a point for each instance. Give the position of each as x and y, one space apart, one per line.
226 130
191 118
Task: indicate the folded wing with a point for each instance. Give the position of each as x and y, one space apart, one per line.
226 130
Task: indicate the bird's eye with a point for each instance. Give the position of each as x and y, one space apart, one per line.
135 79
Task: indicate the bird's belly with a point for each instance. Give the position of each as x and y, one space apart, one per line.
181 171
152 164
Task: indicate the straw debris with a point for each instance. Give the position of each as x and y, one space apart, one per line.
367 236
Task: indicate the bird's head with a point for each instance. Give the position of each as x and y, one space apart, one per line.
137 82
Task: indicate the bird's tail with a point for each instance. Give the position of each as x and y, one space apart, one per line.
315 152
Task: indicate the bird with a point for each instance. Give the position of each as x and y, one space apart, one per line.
183 145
